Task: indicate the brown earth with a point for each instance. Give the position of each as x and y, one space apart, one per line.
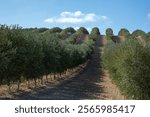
90 83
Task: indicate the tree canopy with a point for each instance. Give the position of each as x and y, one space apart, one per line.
138 34
94 33
109 33
125 33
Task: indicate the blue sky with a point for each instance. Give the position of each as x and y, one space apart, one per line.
117 14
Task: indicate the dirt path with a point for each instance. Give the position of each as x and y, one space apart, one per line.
91 83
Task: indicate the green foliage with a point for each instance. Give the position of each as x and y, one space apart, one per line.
129 67
148 36
125 33
139 34
42 29
32 54
54 30
82 30
67 32
7 54
77 36
72 39
95 33
109 33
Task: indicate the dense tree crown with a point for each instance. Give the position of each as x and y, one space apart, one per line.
138 34
109 33
148 36
67 32
124 32
95 30
55 30
94 33
82 30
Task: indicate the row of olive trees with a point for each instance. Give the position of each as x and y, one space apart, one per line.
28 54
124 33
128 63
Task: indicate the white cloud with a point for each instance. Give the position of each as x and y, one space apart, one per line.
69 20
148 15
104 18
71 14
78 14
75 17
90 17
50 20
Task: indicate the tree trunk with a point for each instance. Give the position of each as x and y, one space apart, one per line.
54 76
50 77
9 86
46 78
18 85
60 75
35 82
41 78
28 84
65 73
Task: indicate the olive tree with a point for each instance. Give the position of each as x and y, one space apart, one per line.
109 33
95 33
138 34
125 33
7 54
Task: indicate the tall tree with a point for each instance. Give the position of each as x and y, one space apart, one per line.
138 34
109 33
94 33
7 54
125 33
82 30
